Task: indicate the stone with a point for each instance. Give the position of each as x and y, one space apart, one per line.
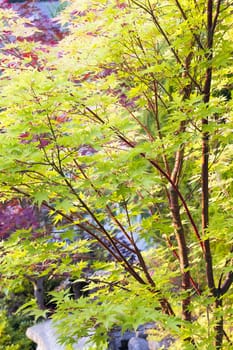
44 335
145 329
138 344
165 343
119 340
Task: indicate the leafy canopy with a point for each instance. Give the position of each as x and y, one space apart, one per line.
123 129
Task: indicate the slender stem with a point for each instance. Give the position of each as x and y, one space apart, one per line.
227 283
165 305
132 144
183 251
205 153
178 165
183 201
215 20
197 38
219 326
176 255
211 25
144 127
105 245
105 232
123 230
150 11
155 110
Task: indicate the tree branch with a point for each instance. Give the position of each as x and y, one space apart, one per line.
185 18
150 11
227 283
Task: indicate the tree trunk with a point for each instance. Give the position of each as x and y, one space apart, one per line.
38 285
182 250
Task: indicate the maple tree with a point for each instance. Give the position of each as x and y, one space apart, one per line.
123 131
40 30
22 214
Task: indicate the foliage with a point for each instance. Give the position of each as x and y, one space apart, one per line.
12 332
15 216
18 214
48 30
123 131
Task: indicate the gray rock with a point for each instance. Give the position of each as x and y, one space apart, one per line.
162 344
119 340
138 344
44 335
144 330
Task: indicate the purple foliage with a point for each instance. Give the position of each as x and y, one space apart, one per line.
86 150
50 30
15 216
